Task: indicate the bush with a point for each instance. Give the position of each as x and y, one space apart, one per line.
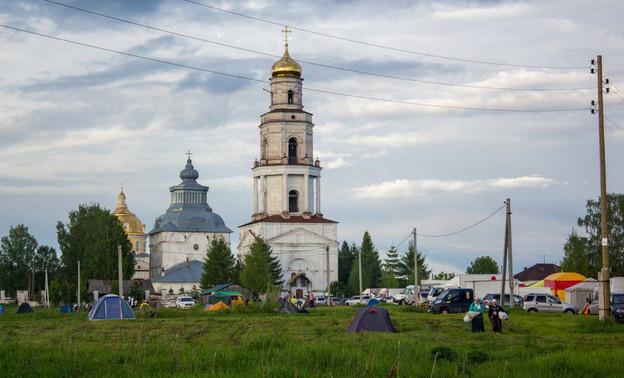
442 353
477 356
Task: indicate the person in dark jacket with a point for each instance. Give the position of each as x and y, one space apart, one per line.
477 321
494 315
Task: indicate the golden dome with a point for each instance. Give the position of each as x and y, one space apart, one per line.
131 223
286 67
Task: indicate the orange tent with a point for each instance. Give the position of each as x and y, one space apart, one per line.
558 282
217 307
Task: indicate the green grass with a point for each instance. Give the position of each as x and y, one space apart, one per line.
250 343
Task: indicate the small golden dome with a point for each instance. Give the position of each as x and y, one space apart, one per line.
286 67
130 222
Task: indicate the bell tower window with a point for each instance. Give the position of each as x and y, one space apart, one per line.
263 154
293 201
290 97
292 151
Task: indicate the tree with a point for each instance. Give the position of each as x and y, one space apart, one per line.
444 276
575 257
483 265
45 259
406 269
388 280
17 259
345 262
260 269
393 262
371 267
593 227
135 291
91 237
218 265
339 289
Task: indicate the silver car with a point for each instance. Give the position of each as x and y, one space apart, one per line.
547 303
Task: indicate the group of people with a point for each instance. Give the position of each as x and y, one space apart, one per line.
493 313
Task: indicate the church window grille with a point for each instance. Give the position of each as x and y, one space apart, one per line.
290 97
293 201
292 151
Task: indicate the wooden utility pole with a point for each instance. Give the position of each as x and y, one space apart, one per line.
47 293
120 271
510 257
604 309
360 270
416 291
328 277
504 268
78 298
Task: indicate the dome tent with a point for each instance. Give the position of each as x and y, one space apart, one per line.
110 306
371 318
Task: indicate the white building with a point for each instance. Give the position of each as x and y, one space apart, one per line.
287 189
185 231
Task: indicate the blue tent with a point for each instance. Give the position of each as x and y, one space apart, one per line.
110 306
373 302
66 309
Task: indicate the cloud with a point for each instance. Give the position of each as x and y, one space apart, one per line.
402 188
338 163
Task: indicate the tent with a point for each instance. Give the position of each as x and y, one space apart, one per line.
217 307
578 294
24 308
2 311
372 302
371 318
219 297
537 284
289 308
110 306
304 311
558 282
66 309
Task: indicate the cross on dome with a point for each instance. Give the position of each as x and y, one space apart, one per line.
286 31
188 154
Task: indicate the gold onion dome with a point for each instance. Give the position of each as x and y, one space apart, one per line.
131 223
286 67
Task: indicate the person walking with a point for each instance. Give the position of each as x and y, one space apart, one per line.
494 315
477 321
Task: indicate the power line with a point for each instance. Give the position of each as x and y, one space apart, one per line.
403 241
308 89
382 46
464 229
614 124
310 62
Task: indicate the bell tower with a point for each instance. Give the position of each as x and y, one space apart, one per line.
286 177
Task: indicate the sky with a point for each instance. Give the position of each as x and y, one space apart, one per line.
444 110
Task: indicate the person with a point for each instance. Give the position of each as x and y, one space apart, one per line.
494 315
477 321
312 300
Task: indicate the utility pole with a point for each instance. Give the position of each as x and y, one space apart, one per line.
47 294
360 270
78 286
416 291
328 278
510 257
120 271
604 310
504 268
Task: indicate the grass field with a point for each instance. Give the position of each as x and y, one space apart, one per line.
193 342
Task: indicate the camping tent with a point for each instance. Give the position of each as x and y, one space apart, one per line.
219 297
372 302
289 308
558 282
578 294
110 306
371 318
24 308
217 307
66 309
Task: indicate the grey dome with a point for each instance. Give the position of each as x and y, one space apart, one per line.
189 173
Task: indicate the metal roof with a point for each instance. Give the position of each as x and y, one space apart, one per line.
183 272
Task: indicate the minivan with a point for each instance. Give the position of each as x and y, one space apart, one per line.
452 300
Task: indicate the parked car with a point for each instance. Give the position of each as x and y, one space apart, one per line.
547 303
452 300
336 301
185 302
617 307
320 300
356 300
518 300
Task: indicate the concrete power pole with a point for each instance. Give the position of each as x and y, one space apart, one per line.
504 267
360 271
604 300
416 291
120 271
47 290
328 277
510 257
78 298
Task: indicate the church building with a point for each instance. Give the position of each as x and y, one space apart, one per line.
287 189
184 232
135 230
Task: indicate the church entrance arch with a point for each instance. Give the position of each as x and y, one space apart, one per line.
299 294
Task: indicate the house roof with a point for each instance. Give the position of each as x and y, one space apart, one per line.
216 288
537 272
104 286
186 271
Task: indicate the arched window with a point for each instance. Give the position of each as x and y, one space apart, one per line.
264 149
293 201
292 151
290 97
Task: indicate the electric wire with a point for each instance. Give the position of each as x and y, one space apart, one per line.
394 77
382 46
616 91
403 241
614 124
307 89
463 229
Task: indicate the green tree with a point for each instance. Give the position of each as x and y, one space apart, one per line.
371 267
135 291
345 262
575 257
615 231
91 237
45 258
218 265
393 262
483 265
17 259
444 276
406 269
260 269
339 289
388 280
